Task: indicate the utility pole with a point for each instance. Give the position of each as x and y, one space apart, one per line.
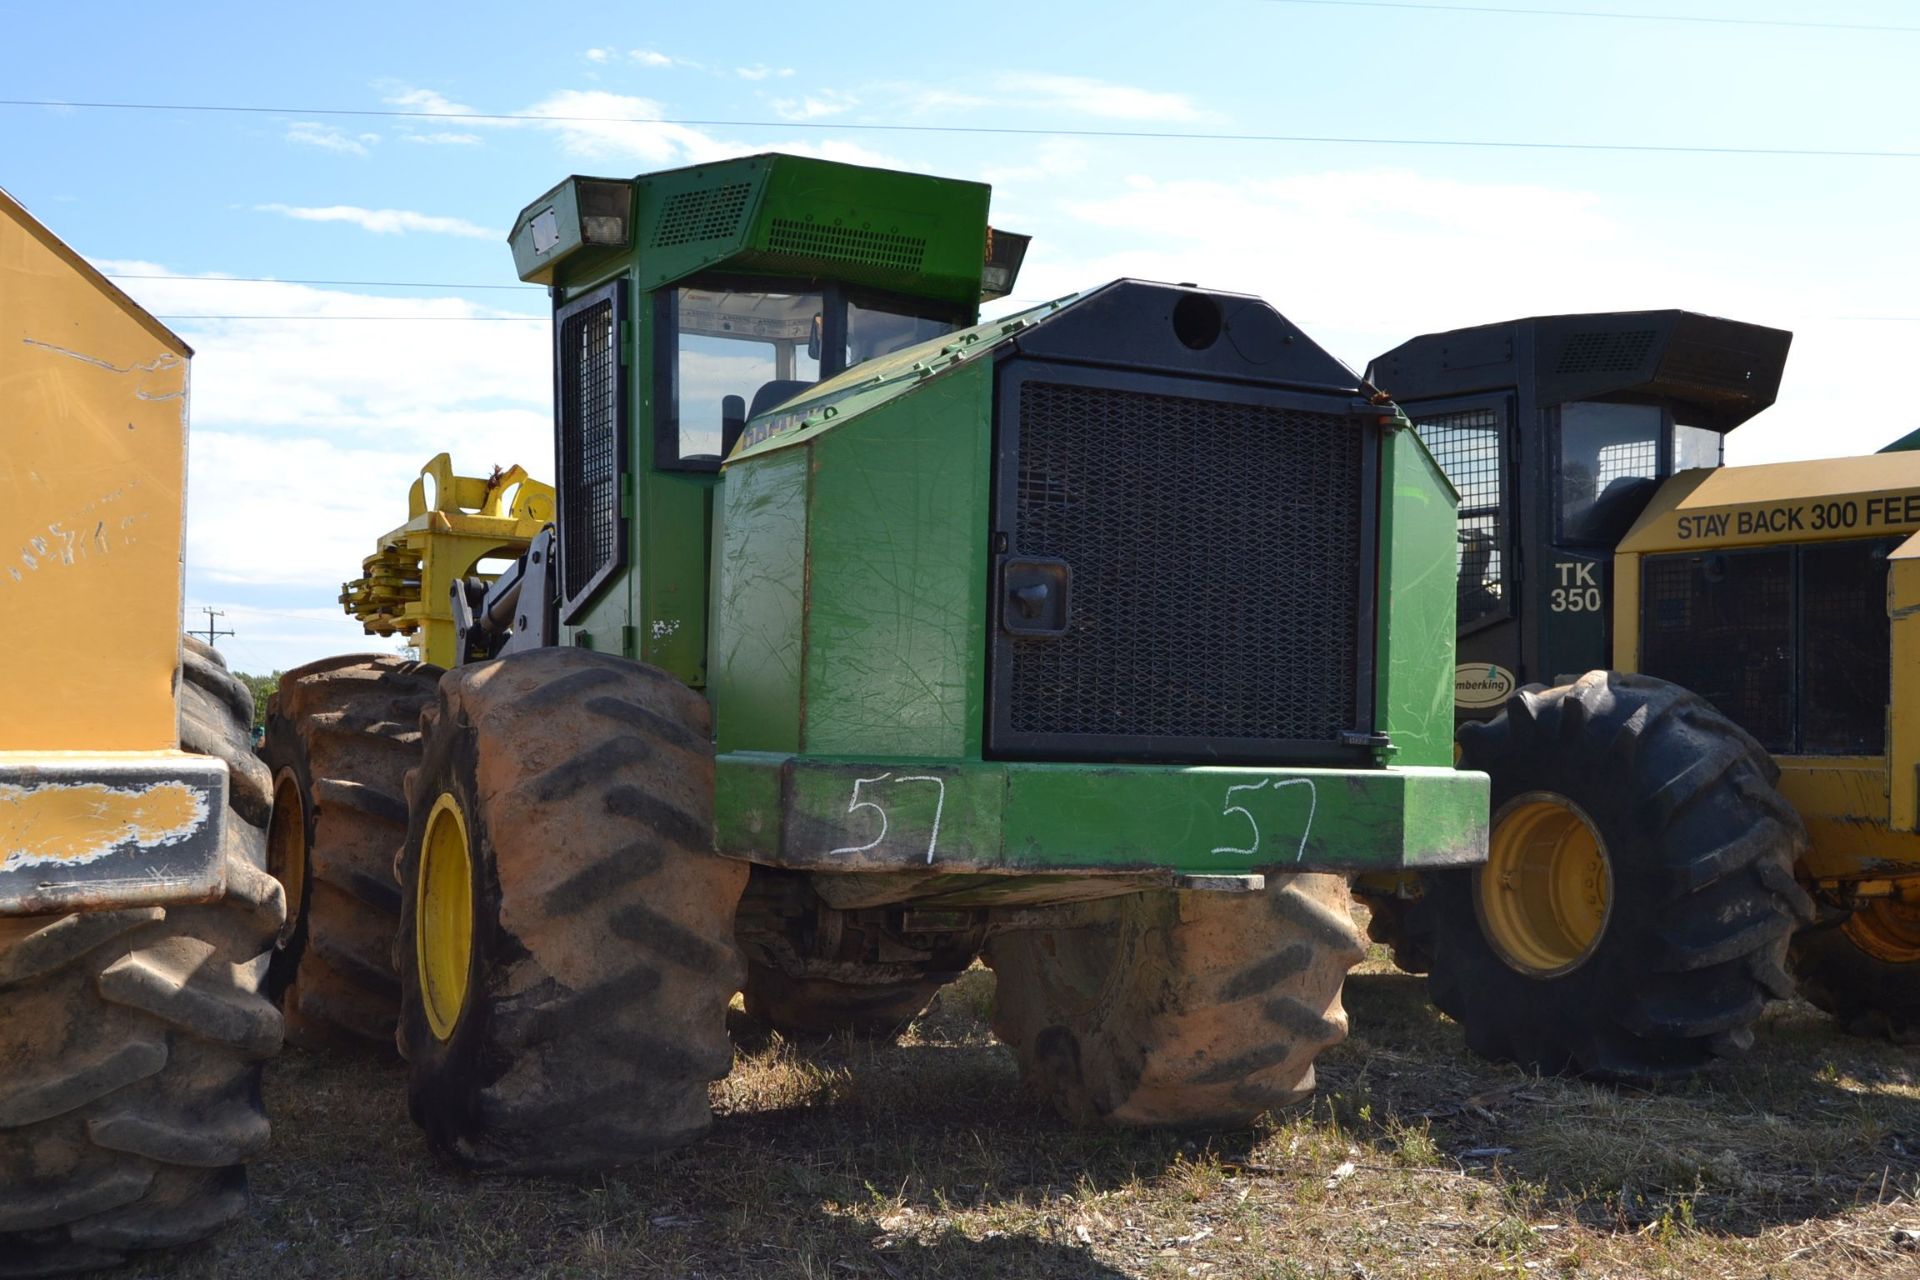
210 633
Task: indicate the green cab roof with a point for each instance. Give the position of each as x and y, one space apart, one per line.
774 214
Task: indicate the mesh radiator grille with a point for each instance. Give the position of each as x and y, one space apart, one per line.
1790 643
1215 548
589 417
1722 626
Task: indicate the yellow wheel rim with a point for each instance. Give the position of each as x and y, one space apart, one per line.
287 844
1886 930
1547 889
443 916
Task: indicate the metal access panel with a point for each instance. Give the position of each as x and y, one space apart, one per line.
590 399
93 450
1187 569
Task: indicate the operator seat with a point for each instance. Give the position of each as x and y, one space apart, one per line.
776 392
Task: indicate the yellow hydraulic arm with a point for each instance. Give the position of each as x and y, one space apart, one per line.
406 585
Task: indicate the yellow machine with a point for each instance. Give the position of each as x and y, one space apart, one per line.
342 732
1694 690
406 587
1789 596
135 911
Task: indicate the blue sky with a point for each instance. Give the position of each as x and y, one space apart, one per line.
307 429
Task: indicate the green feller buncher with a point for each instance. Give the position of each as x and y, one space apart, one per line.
1104 642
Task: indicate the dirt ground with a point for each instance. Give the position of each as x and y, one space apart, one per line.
920 1158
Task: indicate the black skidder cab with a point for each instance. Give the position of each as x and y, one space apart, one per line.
1638 899
1557 430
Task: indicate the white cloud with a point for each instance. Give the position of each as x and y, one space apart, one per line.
1051 158
444 139
425 101
1074 95
828 102
761 71
596 124
1088 96
307 432
309 134
384 221
431 102
642 57
1369 253
1365 259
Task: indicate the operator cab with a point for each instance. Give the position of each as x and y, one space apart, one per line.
737 348
1557 430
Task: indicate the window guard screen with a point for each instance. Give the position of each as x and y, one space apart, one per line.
1467 445
588 419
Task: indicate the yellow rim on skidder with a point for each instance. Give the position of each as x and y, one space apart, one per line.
1545 895
1886 929
443 916
287 845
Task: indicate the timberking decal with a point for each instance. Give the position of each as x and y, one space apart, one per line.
1481 684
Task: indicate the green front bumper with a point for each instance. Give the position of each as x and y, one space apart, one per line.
998 816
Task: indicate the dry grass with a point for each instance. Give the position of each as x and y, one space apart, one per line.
921 1159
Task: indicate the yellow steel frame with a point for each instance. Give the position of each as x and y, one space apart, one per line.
406 586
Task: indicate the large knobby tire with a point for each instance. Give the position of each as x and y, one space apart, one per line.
810 1005
1404 926
341 735
1682 935
1178 1008
1838 970
131 1041
568 796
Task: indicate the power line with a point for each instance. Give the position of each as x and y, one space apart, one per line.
1596 13
355 284
1505 144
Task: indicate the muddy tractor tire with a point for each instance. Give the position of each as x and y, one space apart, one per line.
566 945
1865 970
131 1041
1178 1008
341 735
1634 914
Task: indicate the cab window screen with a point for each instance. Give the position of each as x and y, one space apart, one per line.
1466 444
1609 458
